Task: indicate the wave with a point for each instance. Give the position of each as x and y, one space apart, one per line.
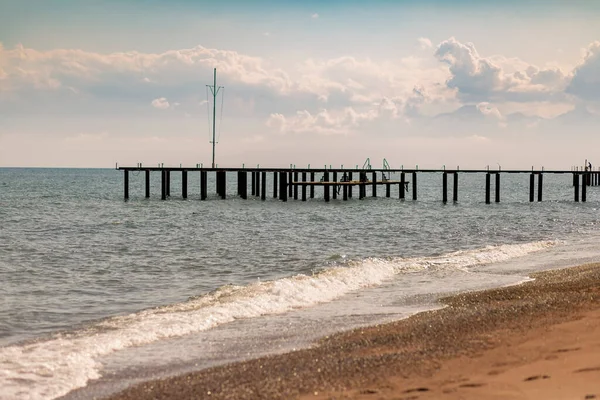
52 367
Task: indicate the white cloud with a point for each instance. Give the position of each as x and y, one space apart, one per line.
160 103
315 16
586 76
424 43
51 69
497 78
324 122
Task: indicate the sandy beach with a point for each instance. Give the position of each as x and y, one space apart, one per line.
538 340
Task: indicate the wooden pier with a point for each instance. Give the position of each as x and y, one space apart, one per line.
288 182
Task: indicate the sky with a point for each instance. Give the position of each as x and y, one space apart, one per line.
433 83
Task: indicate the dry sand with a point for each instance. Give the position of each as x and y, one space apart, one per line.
538 340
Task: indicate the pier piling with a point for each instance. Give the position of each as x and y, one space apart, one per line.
497 187
147 183
576 186
126 184
374 190
295 186
326 187
455 188
540 185
402 185
275 176
487 188
312 187
350 187
283 190
184 184
163 184
203 185
445 187
583 188
263 188
414 185
168 183
335 186
304 186
531 187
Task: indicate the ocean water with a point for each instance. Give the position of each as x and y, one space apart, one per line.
98 293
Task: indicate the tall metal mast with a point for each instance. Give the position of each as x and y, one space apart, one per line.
214 89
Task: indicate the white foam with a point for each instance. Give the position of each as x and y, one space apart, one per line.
51 368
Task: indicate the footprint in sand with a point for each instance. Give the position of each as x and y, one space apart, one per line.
419 389
471 385
566 350
590 369
536 377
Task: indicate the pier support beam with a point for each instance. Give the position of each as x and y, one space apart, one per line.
295 186
498 187
126 184
263 188
289 182
335 187
275 179
345 192
583 188
283 194
163 184
455 188
362 189
576 186
312 187
304 186
257 183
326 187
168 183
147 183
253 173
203 185
184 184
350 186
487 188
414 185
402 185
374 194
243 184
222 184
531 187
445 187
540 186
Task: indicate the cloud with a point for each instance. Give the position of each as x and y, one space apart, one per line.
476 78
160 103
424 43
586 76
324 122
315 16
28 68
472 75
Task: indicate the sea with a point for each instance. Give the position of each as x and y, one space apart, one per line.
98 293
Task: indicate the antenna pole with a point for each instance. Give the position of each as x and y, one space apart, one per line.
215 90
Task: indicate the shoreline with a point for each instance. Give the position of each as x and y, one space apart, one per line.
426 355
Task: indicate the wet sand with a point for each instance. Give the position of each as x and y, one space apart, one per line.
538 340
